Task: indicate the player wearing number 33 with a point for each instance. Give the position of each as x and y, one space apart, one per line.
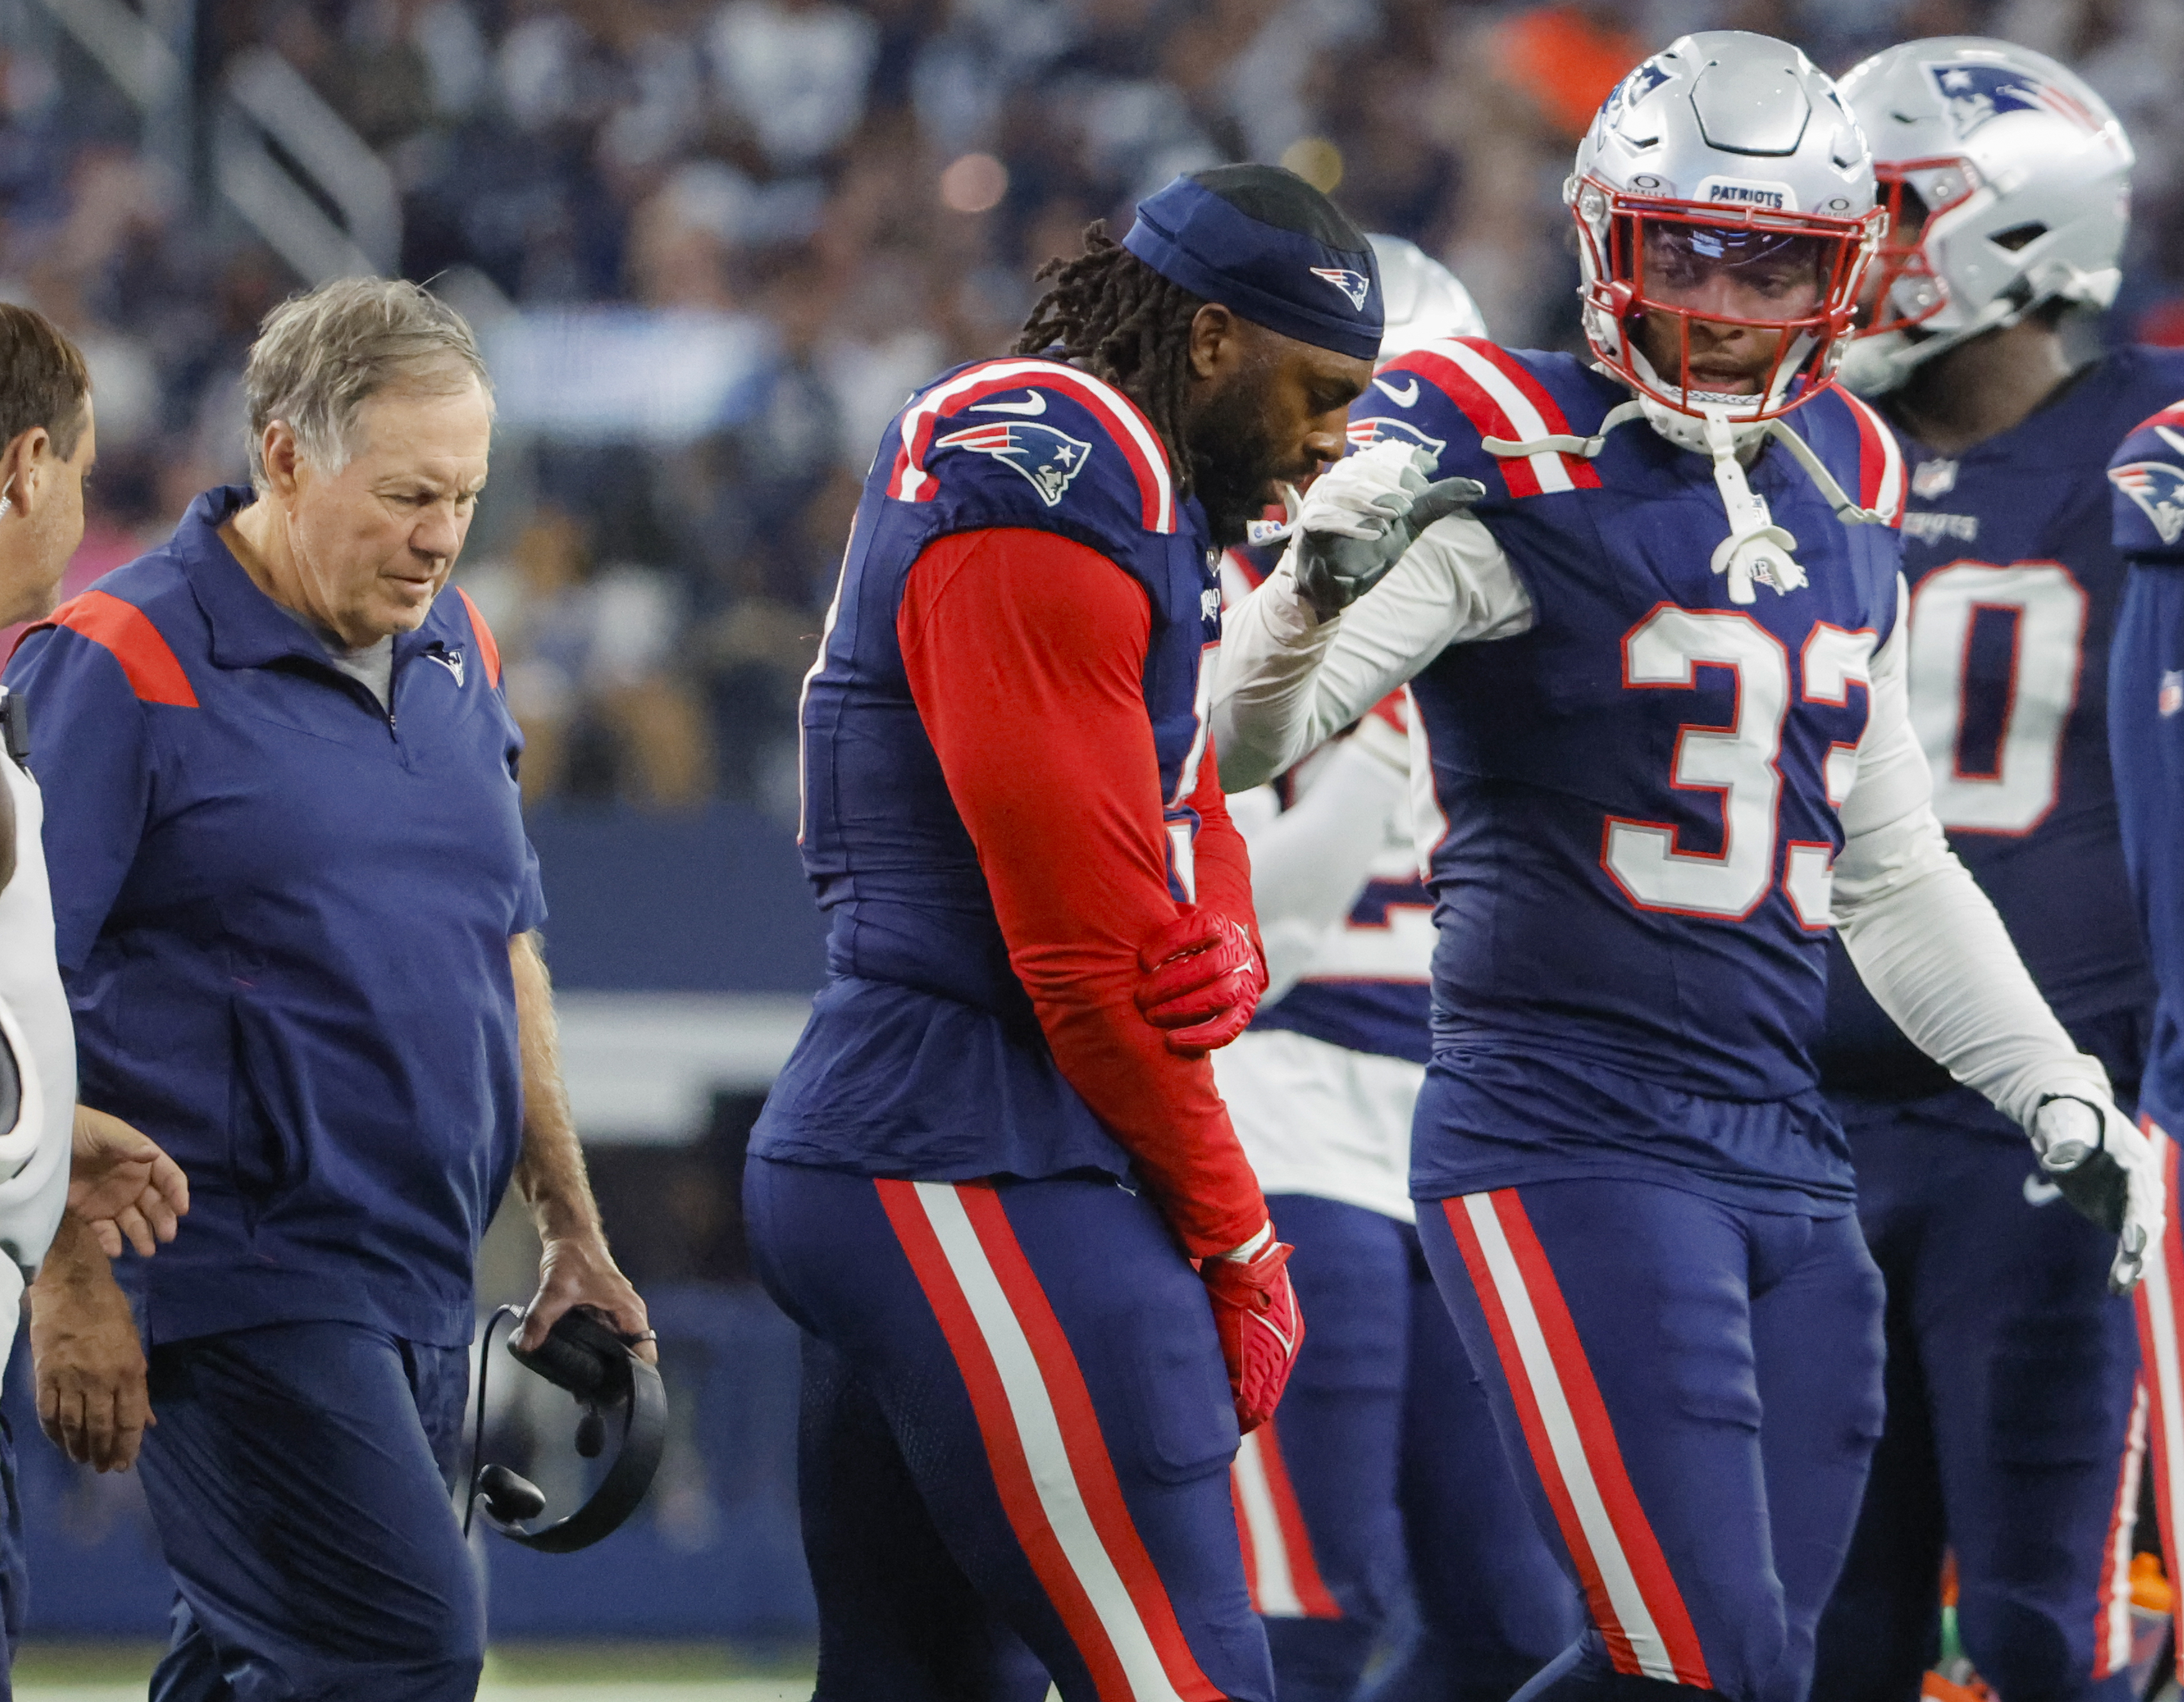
2015 1437
1659 669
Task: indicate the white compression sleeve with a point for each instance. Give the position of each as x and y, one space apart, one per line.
1310 862
1926 941
1288 682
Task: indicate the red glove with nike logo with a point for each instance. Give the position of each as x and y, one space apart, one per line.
1256 1315
1202 975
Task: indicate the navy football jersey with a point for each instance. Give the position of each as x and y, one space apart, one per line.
2146 701
2014 583
1640 791
924 1056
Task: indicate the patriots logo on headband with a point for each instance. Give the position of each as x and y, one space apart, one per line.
1355 285
1048 458
1364 433
2159 489
1976 94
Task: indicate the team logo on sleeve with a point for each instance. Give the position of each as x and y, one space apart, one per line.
2159 489
2170 698
1047 458
1364 433
1977 93
1355 285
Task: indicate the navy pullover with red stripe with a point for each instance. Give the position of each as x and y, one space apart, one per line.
283 915
1007 791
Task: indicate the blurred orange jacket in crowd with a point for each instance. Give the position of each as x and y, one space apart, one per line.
1568 59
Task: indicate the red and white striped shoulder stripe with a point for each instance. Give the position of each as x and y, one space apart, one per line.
1503 398
1880 461
1126 427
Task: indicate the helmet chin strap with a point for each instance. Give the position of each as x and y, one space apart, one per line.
1757 551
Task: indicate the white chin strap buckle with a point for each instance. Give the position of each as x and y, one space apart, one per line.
1756 552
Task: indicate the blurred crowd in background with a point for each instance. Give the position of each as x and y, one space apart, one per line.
836 201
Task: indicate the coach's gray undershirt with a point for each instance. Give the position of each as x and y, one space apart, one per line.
371 667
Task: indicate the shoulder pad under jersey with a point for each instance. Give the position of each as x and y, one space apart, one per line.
1031 442
1858 445
1454 394
2147 506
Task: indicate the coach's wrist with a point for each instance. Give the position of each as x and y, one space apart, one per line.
74 1261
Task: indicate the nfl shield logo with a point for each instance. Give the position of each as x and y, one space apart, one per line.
1931 479
2172 692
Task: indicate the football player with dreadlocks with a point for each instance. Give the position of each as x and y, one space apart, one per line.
1659 671
994 1184
2012 1439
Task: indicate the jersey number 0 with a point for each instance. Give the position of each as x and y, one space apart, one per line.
1994 740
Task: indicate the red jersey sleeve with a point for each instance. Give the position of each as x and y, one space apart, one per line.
1026 653
1224 865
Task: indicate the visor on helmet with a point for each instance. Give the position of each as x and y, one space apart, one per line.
1792 275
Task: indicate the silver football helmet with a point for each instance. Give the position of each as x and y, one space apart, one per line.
2008 181
1424 300
1724 150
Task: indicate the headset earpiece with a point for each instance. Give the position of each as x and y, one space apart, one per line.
508 1496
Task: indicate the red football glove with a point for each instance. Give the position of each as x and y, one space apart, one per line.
1202 978
1255 1314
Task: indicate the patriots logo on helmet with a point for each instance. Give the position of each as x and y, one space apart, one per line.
1355 285
1048 458
1364 433
2159 489
1639 84
1976 94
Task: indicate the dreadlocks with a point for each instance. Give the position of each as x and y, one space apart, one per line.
1128 324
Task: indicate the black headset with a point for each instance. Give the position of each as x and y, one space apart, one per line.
585 1356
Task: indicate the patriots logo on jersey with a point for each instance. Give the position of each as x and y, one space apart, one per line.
1047 458
1364 433
1976 94
2159 489
2170 698
1355 285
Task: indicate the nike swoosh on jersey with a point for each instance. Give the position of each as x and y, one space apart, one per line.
1406 398
1034 404
2039 1191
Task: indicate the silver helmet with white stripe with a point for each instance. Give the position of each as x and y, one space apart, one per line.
2008 184
1725 151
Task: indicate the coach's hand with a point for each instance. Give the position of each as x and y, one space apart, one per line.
2107 1170
1361 515
577 1269
1256 1315
92 1400
121 1184
1199 978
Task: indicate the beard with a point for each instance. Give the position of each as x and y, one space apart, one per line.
1232 459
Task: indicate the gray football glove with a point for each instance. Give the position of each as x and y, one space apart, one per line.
1361 515
2108 1171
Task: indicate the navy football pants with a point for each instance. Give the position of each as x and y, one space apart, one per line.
15 1575
1689 1393
1384 1444
300 1478
1015 1431
2011 1375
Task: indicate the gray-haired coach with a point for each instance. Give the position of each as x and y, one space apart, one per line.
294 908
